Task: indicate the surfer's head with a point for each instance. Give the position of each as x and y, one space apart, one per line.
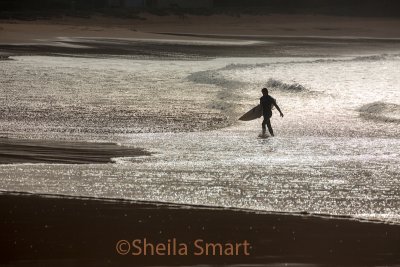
264 91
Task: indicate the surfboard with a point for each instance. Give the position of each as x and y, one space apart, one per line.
252 114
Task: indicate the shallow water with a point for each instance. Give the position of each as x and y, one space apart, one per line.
337 150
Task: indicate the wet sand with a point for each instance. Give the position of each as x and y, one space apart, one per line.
59 231
15 151
173 49
291 35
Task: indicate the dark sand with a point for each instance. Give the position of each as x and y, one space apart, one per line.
41 151
56 231
291 35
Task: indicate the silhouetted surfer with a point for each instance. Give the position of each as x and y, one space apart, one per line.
267 102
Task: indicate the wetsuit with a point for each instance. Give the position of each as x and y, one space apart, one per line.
267 102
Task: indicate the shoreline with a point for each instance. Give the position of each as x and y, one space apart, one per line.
174 205
48 231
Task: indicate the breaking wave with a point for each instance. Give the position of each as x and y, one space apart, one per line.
359 58
5 57
277 84
376 57
381 111
226 97
213 77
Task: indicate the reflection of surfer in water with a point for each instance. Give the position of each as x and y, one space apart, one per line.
267 103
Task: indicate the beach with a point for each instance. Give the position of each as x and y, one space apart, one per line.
150 26
125 129
144 37
62 231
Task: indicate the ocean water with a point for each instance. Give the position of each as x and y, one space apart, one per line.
336 151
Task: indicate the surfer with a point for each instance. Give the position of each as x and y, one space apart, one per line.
267 103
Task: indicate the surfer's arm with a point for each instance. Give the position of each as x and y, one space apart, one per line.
277 107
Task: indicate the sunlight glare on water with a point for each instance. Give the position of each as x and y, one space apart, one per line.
336 150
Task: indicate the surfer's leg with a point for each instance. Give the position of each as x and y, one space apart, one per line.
269 126
263 125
